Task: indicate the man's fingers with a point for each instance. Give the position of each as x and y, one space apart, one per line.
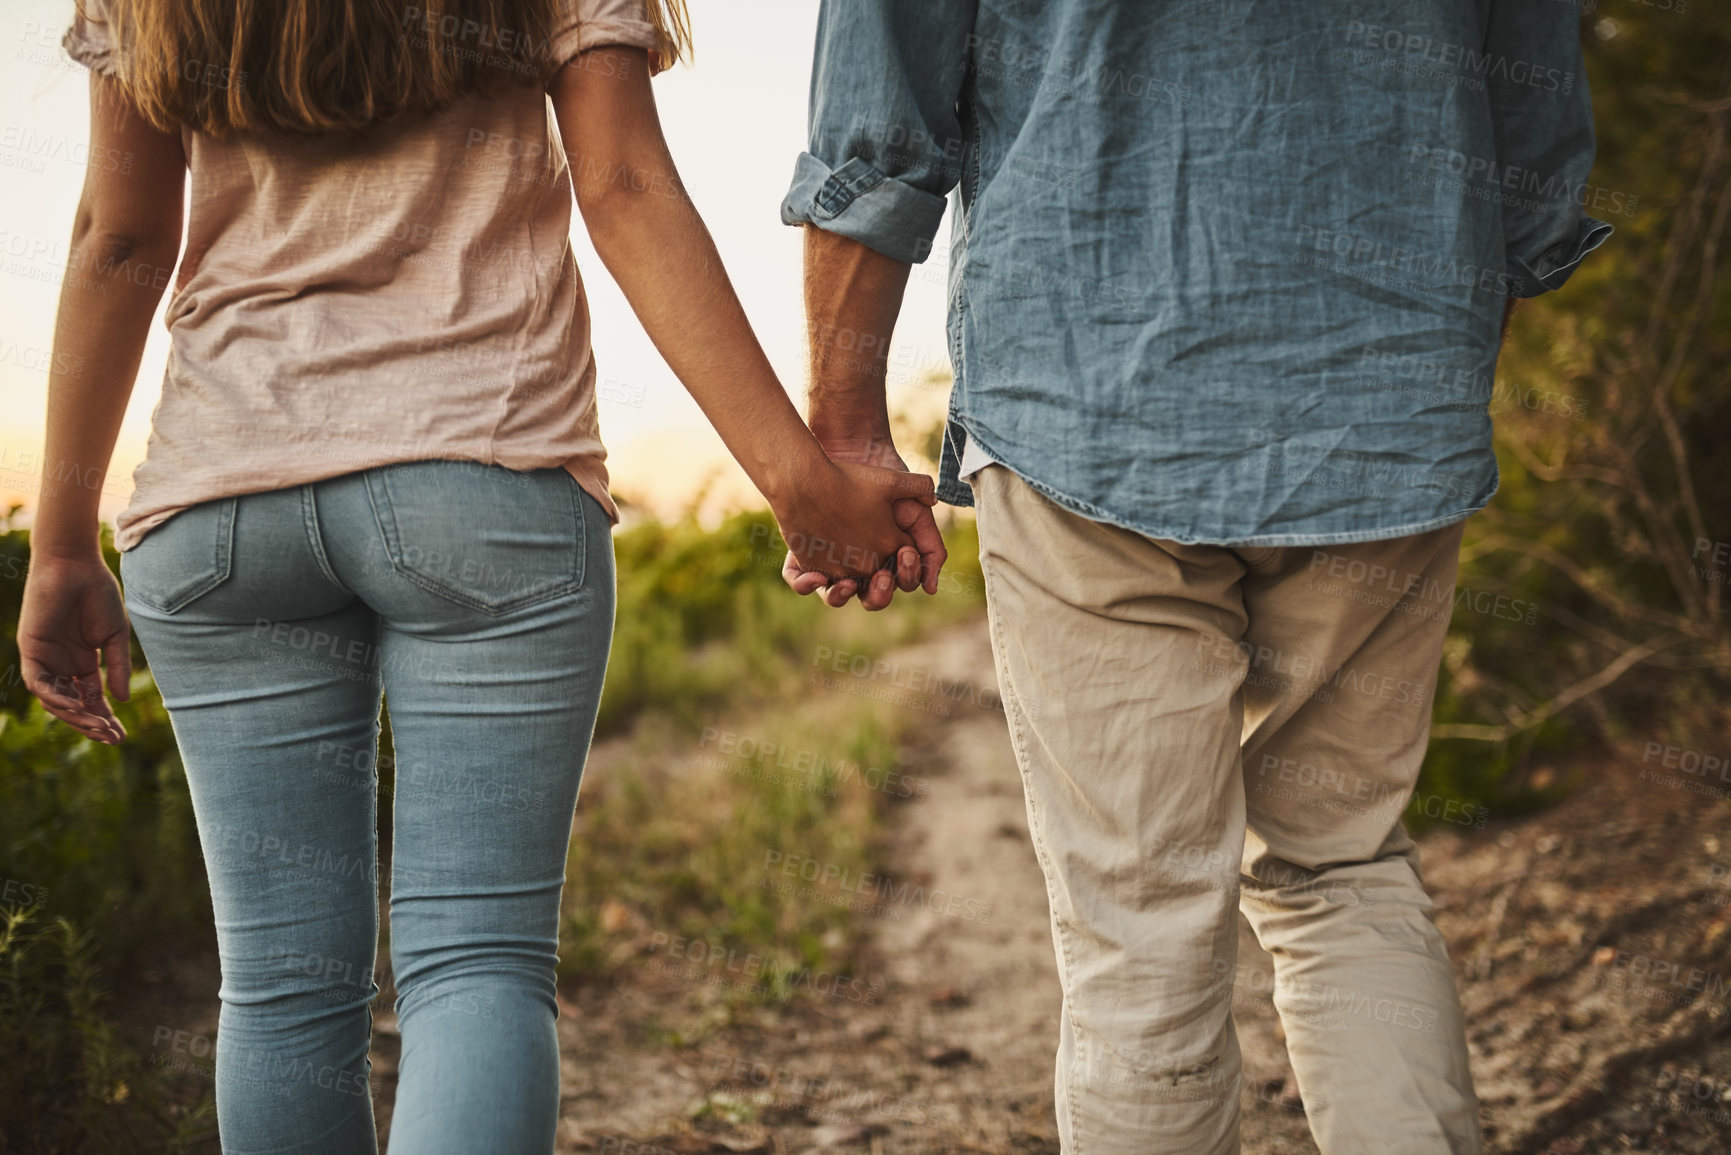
913 486
899 484
908 569
881 592
839 594
919 524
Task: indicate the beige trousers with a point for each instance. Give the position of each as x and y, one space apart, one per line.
1203 729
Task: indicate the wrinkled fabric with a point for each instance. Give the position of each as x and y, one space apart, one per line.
1223 272
479 602
1203 731
407 295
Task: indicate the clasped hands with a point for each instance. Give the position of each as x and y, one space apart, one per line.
840 547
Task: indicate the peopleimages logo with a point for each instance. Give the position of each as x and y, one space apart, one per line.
876 887
1552 189
759 969
1439 271
476 40
1423 49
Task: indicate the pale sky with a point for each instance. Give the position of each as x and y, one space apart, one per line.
735 122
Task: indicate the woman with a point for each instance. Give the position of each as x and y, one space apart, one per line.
376 469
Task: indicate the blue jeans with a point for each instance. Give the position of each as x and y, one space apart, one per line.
479 601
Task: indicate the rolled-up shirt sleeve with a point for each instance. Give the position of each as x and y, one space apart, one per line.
1542 116
886 144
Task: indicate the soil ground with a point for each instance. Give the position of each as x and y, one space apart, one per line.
1592 948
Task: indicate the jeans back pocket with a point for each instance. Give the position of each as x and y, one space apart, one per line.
182 559
484 536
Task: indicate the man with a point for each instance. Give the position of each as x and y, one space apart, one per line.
1227 280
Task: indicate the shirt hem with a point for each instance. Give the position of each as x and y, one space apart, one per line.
1267 540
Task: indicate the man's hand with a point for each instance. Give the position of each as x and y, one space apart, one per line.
845 521
852 296
914 566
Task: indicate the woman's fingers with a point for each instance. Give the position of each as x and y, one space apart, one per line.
72 637
92 728
51 689
78 702
96 707
117 662
801 580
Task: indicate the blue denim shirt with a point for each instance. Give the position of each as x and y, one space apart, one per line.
1223 271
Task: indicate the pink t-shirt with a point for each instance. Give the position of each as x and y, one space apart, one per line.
344 305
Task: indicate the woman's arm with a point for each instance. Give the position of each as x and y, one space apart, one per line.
125 240
652 240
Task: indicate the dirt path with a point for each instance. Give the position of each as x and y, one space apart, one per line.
1590 942
1592 945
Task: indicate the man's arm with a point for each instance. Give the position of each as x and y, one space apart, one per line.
1542 117
886 148
852 296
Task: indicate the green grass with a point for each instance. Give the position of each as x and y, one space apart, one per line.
72 1085
705 622
679 841
99 847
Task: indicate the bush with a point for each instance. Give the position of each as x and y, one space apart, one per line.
1611 409
81 1089
704 618
670 845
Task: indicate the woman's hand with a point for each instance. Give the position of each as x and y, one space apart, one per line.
71 629
915 565
847 521
841 520
129 218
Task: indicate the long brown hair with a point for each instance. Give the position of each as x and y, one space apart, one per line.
323 66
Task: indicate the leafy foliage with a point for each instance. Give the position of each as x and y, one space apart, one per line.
101 840
1613 405
704 618
81 1089
690 849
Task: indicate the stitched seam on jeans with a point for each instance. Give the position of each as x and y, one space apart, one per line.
580 528
310 519
1014 713
221 559
225 518
570 586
